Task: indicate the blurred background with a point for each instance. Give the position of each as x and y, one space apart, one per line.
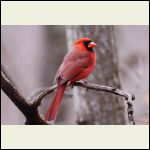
31 56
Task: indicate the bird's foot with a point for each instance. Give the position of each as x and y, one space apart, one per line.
85 81
71 84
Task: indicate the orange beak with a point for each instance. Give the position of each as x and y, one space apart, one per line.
91 45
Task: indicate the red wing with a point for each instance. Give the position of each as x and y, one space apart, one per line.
71 71
74 63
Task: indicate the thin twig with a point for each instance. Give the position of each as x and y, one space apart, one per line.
130 112
87 85
43 93
103 88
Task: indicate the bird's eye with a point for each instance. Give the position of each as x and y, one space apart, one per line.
86 43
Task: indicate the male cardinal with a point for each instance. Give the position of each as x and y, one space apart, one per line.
77 64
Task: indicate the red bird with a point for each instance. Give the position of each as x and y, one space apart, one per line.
77 64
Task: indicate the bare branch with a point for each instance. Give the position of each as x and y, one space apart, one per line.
43 93
103 88
29 110
88 85
130 112
11 91
114 91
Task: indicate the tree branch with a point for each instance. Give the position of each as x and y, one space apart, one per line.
29 110
88 85
103 88
43 93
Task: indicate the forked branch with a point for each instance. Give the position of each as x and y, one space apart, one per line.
30 110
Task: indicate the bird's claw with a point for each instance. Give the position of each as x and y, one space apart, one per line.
85 81
71 84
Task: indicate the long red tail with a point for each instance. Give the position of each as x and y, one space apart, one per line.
54 106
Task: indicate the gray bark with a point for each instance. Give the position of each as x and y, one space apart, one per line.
93 107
